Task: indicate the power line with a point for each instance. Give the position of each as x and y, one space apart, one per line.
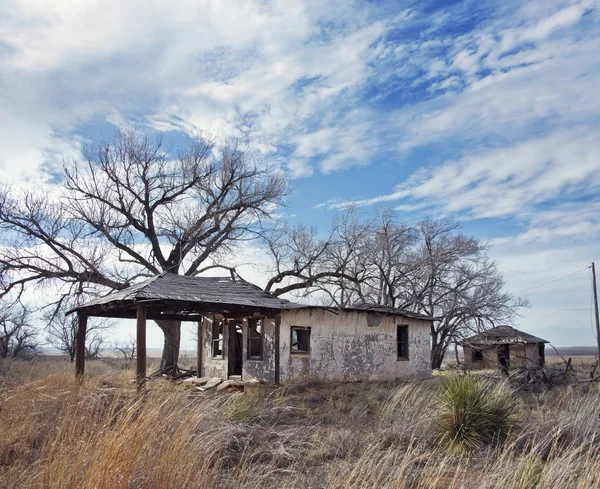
552 281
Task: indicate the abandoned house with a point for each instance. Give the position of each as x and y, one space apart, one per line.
503 347
245 331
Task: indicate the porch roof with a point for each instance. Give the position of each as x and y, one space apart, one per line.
169 295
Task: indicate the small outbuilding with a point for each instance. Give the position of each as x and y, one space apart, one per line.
246 332
503 347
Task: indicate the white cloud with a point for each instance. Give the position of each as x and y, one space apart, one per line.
266 70
285 74
504 182
563 18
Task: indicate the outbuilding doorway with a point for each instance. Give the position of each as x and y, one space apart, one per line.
504 357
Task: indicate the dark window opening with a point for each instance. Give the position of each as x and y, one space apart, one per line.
255 339
300 340
402 338
476 355
217 339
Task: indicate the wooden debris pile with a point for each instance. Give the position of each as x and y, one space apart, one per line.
552 375
203 384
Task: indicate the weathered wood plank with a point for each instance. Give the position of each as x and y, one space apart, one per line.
80 347
141 346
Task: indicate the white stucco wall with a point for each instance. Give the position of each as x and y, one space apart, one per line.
252 370
256 370
214 367
344 347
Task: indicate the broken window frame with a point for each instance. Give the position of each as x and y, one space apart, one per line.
256 339
476 355
402 349
304 331
218 339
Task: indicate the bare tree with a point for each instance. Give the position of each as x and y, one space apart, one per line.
305 263
94 346
133 209
430 268
456 282
61 331
127 348
18 338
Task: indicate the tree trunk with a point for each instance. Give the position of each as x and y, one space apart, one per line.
437 356
438 349
170 354
456 357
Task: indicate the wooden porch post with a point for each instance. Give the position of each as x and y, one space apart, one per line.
80 347
199 362
141 346
277 340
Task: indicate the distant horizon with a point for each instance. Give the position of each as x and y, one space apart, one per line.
593 350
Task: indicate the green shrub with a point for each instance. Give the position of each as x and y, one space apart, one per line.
473 412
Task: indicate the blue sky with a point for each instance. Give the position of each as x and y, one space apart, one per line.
487 111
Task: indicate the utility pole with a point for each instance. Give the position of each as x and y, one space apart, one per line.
596 307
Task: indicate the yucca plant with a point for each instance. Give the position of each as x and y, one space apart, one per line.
473 412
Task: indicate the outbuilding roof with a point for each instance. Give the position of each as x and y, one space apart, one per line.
502 335
169 293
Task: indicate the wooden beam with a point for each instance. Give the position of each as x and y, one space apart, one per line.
199 355
173 310
176 317
150 316
80 347
141 346
277 340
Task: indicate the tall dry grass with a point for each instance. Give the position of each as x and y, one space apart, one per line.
55 433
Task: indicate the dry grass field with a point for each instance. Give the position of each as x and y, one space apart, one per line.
55 433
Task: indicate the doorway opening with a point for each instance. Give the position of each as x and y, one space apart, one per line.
542 354
235 355
504 357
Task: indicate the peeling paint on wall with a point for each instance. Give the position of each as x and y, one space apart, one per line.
261 369
214 367
344 345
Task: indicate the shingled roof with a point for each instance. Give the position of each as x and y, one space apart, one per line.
171 293
376 308
502 335
204 294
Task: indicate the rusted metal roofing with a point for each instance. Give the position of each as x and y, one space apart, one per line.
170 292
502 335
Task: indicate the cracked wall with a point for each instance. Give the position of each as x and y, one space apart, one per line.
352 346
252 370
520 354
